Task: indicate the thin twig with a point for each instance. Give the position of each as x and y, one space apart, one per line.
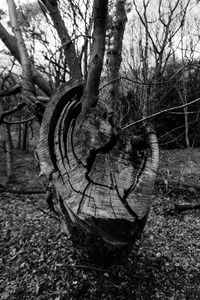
12 91
18 122
82 267
19 157
43 211
143 82
134 81
159 113
11 111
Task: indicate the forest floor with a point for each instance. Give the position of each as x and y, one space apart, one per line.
38 262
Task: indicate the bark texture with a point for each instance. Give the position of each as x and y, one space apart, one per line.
24 58
97 185
8 154
114 56
91 93
37 77
69 49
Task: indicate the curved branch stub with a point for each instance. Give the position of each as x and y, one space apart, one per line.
52 112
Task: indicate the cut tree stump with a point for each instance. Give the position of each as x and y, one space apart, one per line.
100 194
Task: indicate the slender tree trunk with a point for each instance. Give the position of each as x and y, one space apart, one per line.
19 137
114 57
186 117
11 44
68 46
85 60
24 58
183 98
9 136
86 47
19 129
28 90
25 137
8 154
183 93
91 93
186 127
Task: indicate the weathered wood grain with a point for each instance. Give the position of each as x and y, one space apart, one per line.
97 184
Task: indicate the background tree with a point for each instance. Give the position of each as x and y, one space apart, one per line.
163 39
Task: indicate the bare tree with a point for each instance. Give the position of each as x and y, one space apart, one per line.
157 35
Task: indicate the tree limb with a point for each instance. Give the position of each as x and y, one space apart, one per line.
90 96
11 111
18 122
186 206
23 53
67 44
114 57
12 91
11 44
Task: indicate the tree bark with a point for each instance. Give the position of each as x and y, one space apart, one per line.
186 206
25 137
28 91
9 136
37 77
12 91
114 56
8 154
99 191
69 49
25 61
28 86
19 135
91 93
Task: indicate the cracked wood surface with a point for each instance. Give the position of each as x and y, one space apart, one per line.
90 167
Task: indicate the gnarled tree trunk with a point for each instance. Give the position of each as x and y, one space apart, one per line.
99 190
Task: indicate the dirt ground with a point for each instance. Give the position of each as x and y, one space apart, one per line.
38 262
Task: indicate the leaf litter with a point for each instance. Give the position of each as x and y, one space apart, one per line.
38 262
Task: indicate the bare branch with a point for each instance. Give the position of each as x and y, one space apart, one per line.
90 97
12 91
11 111
159 113
11 44
67 44
18 122
145 23
23 53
